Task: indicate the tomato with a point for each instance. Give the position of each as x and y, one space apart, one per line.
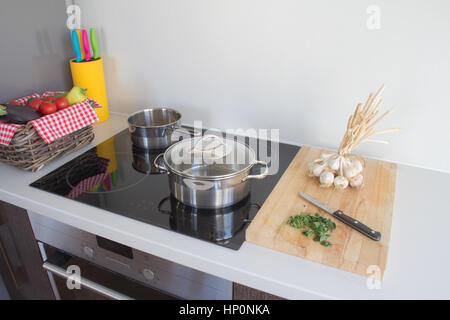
49 99
61 103
35 104
48 108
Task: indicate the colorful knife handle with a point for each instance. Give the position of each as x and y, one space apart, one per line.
94 43
86 46
76 46
81 43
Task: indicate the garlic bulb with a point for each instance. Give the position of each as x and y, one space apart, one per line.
325 156
340 182
326 179
352 168
357 181
334 164
358 165
311 166
347 168
317 169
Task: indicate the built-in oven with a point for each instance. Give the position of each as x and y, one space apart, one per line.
82 265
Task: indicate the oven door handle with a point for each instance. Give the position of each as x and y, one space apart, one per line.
98 288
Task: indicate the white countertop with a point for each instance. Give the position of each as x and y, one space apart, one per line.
418 261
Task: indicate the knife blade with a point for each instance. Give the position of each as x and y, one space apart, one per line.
341 216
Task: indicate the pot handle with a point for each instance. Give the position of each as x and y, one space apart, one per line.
258 176
206 137
161 203
157 165
188 131
257 207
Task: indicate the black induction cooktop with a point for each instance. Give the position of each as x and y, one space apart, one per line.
121 178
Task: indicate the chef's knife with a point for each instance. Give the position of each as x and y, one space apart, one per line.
338 214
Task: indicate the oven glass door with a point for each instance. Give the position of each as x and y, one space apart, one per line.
77 279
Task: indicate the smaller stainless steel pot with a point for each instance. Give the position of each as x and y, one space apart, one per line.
153 128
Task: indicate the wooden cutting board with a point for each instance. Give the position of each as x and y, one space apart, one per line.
351 251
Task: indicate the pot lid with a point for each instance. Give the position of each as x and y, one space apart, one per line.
209 156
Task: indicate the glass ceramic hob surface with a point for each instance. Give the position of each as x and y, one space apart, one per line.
120 178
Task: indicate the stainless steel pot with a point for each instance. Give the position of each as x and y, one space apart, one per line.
207 182
153 128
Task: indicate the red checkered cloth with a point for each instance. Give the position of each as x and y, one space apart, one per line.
87 184
7 132
23 101
56 125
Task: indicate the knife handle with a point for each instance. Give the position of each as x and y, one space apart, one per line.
81 44
357 225
94 44
87 49
76 46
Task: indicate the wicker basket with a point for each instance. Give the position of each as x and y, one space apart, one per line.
30 152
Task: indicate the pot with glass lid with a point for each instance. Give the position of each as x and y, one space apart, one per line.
210 171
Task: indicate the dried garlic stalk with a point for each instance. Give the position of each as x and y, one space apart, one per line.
342 168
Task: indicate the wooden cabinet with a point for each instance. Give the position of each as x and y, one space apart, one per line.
241 292
20 259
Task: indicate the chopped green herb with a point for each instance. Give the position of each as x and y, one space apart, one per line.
308 233
313 224
326 243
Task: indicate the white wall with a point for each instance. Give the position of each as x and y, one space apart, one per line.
35 51
297 65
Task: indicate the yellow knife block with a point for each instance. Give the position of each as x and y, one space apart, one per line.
107 150
90 75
